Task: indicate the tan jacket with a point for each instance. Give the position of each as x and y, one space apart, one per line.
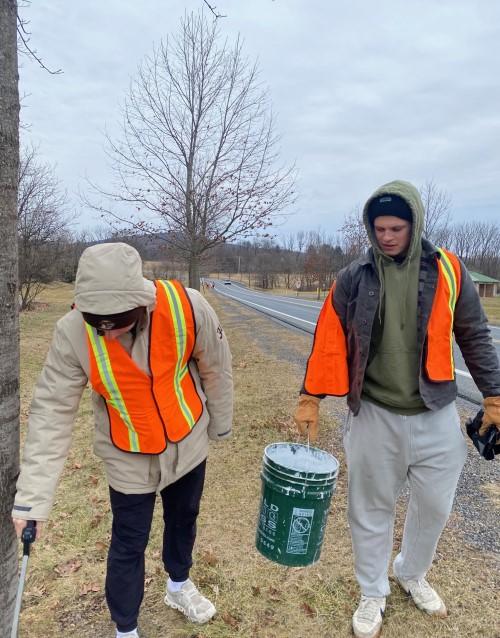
58 393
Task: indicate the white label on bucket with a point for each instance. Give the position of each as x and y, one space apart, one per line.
300 531
268 523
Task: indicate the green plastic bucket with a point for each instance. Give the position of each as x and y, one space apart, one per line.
297 486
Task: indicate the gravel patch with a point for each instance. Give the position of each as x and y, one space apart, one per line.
479 516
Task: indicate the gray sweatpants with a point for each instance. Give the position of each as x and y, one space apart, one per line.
383 451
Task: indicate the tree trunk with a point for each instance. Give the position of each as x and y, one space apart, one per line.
9 318
194 271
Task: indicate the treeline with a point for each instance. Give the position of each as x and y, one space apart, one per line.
49 247
311 260
301 261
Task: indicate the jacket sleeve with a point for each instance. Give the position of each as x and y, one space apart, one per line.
473 337
213 359
55 403
341 296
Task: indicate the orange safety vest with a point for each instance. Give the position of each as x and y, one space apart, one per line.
327 369
147 411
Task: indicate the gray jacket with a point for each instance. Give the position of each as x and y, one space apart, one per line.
356 300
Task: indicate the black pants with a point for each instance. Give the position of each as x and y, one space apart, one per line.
132 516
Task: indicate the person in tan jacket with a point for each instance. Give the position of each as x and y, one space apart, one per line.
159 366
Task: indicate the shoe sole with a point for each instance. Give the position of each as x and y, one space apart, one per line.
442 612
377 635
173 605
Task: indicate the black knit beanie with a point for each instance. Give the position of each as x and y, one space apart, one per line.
389 204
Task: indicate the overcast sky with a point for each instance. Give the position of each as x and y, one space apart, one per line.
364 92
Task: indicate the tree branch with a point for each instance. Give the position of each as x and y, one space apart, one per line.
24 37
213 9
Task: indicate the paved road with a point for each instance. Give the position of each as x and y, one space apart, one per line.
302 314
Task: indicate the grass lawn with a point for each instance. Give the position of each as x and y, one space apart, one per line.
64 594
491 307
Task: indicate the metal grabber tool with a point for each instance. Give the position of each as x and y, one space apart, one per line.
28 537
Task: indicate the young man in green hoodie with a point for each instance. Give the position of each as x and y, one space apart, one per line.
385 339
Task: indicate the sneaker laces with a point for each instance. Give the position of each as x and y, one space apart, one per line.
369 609
423 589
193 597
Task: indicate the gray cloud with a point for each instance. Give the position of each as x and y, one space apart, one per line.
363 92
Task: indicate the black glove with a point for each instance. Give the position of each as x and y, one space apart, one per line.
487 444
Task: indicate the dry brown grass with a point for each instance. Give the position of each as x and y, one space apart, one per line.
255 598
491 307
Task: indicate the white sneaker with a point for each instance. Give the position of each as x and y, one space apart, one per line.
424 597
191 603
129 634
367 619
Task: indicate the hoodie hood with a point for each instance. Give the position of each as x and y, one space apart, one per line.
109 280
410 194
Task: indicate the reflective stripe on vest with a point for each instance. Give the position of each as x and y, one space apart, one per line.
439 363
110 390
145 411
327 369
172 339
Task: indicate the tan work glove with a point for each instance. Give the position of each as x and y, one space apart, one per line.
491 414
306 416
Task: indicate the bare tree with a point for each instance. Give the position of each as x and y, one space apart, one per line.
9 320
437 206
197 149
478 245
42 226
354 237
322 260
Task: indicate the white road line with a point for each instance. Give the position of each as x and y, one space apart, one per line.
294 302
277 312
463 373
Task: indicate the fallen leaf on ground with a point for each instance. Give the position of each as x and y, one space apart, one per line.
274 594
209 558
87 588
70 567
229 619
308 610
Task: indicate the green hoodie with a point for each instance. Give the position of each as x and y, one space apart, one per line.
392 375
